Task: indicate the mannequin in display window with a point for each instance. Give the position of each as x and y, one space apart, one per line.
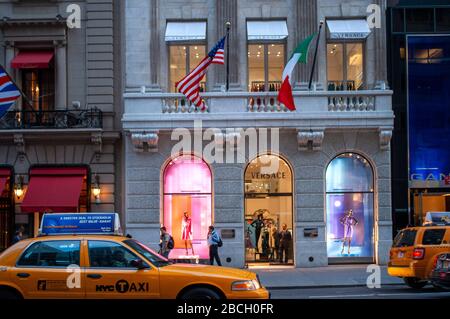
274 241
186 232
349 222
258 224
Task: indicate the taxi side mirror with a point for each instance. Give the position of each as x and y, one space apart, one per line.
139 264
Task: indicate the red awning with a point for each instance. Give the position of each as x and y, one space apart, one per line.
53 190
2 184
4 174
32 60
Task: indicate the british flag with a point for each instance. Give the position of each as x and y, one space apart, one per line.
190 84
9 92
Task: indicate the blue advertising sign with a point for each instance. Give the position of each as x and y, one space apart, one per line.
429 110
79 223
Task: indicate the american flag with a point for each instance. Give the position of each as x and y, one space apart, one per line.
190 84
9 92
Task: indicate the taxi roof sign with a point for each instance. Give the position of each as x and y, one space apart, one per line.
80 224
437 218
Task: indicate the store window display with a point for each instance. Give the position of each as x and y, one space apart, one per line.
187 206
186 232
268 206
349 185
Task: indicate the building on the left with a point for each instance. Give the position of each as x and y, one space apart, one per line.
61 149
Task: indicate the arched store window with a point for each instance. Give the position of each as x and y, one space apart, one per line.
187 188
350 205
268 206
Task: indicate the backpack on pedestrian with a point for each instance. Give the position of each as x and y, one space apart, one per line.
170 243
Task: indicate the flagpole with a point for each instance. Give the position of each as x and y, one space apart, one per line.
315 56
228 24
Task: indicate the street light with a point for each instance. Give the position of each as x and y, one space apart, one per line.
18 187
96 189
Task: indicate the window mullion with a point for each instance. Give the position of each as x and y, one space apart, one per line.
266 67
188 53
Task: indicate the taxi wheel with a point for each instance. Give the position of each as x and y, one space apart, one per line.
414 282
200 293
7 294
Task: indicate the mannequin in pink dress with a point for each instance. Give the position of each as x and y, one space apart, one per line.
186 232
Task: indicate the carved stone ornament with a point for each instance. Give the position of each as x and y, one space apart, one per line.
19 141
228 140
310 140
385 139
96 139
145 141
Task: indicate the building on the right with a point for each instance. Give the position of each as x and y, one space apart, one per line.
419 73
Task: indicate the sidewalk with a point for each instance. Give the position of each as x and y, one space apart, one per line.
331 276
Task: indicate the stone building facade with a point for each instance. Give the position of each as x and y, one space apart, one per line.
71 77
331 185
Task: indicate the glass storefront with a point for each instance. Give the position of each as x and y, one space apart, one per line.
429 201
187 205
268 211
350 204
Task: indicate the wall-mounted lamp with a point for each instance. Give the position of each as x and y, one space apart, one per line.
18 187
96 189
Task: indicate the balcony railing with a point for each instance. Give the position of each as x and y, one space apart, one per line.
58 119
266 102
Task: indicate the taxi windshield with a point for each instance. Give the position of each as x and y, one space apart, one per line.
149 254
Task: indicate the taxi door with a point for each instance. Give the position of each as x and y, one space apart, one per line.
50 269
111 272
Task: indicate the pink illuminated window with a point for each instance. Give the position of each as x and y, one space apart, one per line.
187 188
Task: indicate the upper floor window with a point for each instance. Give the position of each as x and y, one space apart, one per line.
187 47
345 66
182 60
39 86
345 54
266 54
38 78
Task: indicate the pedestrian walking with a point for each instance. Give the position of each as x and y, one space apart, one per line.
166 243
214 242
18 235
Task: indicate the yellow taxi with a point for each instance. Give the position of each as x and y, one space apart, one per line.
95 266
415 251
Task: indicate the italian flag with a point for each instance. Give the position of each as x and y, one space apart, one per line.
300 55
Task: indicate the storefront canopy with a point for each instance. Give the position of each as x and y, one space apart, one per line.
185 31
53 190
267 30
5 173
348 29
32 60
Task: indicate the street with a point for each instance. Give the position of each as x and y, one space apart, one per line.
360 292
